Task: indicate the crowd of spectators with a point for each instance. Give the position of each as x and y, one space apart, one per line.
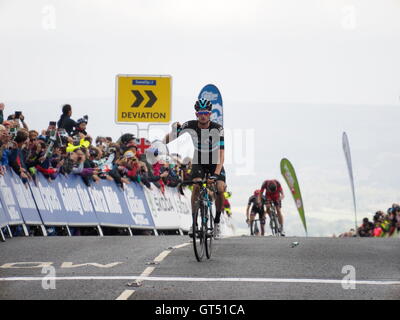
382 225
66 148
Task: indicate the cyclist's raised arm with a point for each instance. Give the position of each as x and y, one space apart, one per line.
171 136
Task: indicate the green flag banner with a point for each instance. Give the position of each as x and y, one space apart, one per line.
289 175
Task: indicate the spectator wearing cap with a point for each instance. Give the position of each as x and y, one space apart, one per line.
65 121
81 126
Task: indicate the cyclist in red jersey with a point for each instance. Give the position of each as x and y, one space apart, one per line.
274 193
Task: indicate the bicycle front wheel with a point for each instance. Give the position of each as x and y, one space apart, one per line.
209 225
199 233
274 224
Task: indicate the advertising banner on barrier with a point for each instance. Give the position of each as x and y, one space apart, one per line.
109 203
9 201
24 199
183 208
75 201
137 206
49 205
3 218
162 209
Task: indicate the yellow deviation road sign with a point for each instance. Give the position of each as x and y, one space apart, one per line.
143 98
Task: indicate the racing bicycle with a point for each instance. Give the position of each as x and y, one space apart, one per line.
203 220
274 222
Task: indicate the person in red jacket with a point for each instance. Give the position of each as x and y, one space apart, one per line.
274 194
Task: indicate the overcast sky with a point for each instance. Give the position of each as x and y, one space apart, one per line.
295 74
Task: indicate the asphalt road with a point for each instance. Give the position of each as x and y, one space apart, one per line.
241 268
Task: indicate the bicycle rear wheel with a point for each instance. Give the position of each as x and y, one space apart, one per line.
209 225
199 234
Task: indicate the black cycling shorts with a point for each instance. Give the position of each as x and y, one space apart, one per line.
260 212
200 171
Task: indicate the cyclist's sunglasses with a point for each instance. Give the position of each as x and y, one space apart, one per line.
203 113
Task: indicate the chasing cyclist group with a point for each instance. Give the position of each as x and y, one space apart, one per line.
260 203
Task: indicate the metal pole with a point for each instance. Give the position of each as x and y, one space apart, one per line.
69 231
101 234
9 231
25 230
44 232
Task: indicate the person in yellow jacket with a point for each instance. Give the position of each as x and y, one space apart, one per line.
83 142
227 205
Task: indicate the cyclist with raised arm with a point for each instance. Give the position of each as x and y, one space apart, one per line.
208 141
274 194
257 204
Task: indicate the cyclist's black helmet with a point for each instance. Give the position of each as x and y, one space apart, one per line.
203 104
272 187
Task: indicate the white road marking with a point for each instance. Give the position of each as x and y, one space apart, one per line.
182 245
125 295
66 265
162 256
147 272
189 279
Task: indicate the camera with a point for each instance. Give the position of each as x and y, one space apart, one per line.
17 114
13 132
76 140
53 135
93 153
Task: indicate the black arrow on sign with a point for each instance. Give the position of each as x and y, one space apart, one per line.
152 100
139 99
